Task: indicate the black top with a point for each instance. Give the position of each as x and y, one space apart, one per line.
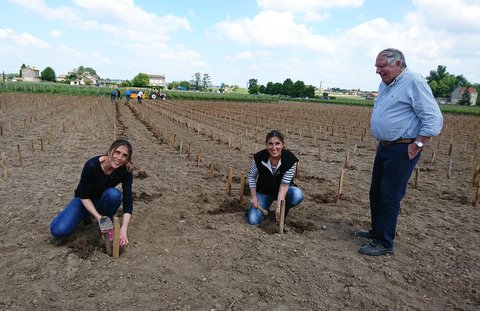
94 181
266 182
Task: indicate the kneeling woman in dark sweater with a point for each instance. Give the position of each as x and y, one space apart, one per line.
96 194
271 178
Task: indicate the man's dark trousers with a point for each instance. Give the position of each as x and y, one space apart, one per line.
391 171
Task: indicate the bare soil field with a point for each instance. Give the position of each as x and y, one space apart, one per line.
190 246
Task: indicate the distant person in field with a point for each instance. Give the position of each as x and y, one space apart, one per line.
139 97
404 117
113 96
119 95
271 178
127 96
96 194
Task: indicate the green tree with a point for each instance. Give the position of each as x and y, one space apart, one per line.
20 71
196 80
141 80
465 99
277 88
48 75
443 83
287 87
253 86
298 89
82 70
309 91
187 85
206 81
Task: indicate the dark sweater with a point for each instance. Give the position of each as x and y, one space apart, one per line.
266 182
93 182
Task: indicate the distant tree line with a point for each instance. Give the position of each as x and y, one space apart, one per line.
287 88
443 84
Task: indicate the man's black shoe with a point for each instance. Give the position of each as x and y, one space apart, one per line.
375 249
364 234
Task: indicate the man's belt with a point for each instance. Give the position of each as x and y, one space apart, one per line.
398 141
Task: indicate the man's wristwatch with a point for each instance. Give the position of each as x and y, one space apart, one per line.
419 144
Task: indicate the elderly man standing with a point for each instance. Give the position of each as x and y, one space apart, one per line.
405 115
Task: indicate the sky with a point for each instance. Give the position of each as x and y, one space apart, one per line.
323 43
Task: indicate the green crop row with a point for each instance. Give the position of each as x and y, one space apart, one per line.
229 97
65 89
54 88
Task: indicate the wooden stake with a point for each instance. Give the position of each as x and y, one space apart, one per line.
433 156
281 222
449 169
212 170
229 181
19 156
450 149
116 237
345 164
477 196
475 175
297 171
340 185
41 143
4 166
199 157
181 146
416 178
242 186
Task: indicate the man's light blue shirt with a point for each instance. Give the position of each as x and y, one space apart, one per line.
405 108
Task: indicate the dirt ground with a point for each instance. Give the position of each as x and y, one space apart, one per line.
190 246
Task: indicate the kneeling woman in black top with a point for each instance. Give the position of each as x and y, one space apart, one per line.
96 194
271 178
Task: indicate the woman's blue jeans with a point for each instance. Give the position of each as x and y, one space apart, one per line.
293 197
66 221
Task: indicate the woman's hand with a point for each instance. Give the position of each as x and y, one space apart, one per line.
124 228
123 237
254 202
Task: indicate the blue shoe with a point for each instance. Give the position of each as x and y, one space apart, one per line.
364 234
375 249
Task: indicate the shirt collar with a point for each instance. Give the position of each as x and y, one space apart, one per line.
399 77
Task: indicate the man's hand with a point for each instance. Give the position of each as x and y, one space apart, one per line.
413 150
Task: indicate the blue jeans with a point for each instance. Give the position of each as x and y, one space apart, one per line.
65 222
293 197
391 171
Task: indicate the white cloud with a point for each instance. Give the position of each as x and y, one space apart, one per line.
55 33
119 18
457 16
315 17
27 41
82 57
306 5
271 29
241 56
